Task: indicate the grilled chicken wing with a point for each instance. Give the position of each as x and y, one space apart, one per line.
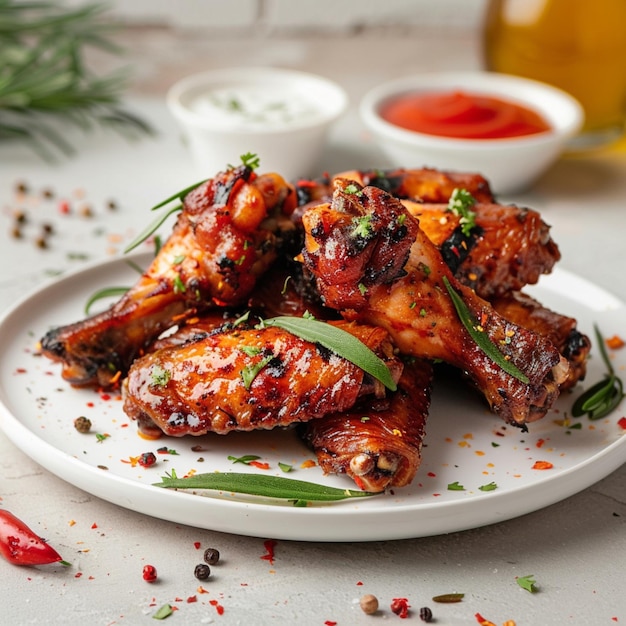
377 443
217 250
246 379
561 330
374 264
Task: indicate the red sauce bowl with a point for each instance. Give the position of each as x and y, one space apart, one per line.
509 129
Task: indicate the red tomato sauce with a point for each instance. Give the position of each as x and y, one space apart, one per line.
462 115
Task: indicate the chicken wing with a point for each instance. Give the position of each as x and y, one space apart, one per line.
218 248
374 264
248 379
377 443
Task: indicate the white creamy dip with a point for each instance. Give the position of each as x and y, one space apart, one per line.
252 107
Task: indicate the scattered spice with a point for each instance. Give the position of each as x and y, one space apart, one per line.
400 606
82 424
542 465
449 597
202 571
212 556
369 604
426 615
269 545
149 573
147 459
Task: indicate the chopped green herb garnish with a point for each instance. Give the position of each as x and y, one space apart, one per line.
489 487
527 582
178 259
250 372
455 486
285 467
352 190
250 350
362 227
179 285
460 203
164 611
159 376
250 160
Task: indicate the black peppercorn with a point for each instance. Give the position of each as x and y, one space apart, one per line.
202 571
211 556
426 615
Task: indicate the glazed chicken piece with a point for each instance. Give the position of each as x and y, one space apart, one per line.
508 248
561 330
217 250
425 185
377 443
248 379
374 264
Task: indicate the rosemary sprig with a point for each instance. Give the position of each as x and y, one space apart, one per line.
339 341
603 397
480 337
44 78
107 292
261 485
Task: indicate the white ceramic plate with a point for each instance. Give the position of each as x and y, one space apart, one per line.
465 444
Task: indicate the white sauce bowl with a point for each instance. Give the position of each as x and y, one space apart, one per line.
509 164
283 116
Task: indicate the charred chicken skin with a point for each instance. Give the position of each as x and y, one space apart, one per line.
247 379
377 443
374 264
219 247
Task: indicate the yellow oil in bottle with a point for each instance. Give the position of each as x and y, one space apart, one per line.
576 45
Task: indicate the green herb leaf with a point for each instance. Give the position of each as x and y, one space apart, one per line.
481 338
164 611
246 459
339 341
604 396
179 195
285 467
489 487
362 227
527 582
159 377
455 486
251 160
108 292
262 485
153 227
250 372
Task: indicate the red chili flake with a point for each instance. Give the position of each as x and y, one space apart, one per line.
615 342
64 207
540 442
218 607
149 573
269 545
94 525
105 397
431 474
78 574
259 465
147 459
20 370
400 606
197 545
621 422
191 599
359 583
482 621
542 465
329 622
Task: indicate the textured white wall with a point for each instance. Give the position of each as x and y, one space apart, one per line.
330 17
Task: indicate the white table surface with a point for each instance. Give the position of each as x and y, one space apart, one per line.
574 548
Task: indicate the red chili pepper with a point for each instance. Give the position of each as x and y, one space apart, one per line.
21 546
149 573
